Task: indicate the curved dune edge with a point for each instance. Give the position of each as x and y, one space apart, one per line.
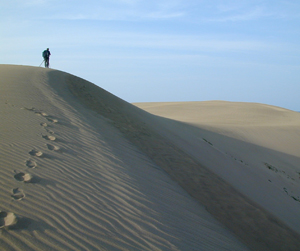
254 147
245 218
94 189
90 188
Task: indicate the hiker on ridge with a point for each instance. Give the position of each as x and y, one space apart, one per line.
46 56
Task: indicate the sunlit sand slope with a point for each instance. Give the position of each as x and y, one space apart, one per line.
72 176
254 147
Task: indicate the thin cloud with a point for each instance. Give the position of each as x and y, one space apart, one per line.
119 15
251 10
165 15
178 43
253 14
119 10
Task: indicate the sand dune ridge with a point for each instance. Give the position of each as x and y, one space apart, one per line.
107 175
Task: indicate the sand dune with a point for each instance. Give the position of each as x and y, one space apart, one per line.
254 147
257 145
84 170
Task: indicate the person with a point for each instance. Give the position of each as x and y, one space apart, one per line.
46 56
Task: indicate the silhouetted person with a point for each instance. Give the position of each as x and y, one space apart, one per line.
46 56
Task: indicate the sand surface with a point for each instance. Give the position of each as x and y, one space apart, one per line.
84 170
255 147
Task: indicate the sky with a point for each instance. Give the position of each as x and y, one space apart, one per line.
163 50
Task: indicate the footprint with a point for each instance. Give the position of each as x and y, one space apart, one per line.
31 163
25 177
52 138
42 114
18 194
7 219
36 153
52 120
29 109
53 148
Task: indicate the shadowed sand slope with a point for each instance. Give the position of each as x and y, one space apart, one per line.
254 147
164 142
73 177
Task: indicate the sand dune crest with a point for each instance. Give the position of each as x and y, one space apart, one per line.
104 182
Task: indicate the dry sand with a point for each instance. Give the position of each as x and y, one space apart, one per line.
253 147
84 170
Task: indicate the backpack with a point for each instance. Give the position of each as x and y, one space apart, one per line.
45 54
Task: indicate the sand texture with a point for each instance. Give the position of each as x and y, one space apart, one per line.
84 170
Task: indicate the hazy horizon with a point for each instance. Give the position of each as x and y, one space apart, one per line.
160 51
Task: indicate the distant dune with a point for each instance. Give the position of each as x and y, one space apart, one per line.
82 169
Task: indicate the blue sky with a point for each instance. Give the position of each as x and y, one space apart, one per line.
164 50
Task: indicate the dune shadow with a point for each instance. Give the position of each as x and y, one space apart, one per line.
152 136
183 163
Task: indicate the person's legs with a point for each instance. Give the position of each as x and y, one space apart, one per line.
47 62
